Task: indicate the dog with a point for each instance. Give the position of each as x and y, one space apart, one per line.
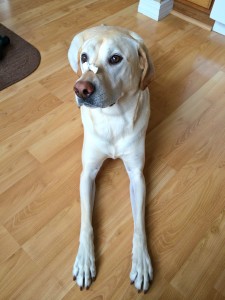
112 92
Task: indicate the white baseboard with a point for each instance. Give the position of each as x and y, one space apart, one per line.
154 9
219 27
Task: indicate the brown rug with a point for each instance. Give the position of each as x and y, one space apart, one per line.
20 59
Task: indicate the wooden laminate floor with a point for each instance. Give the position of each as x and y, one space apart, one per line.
40 163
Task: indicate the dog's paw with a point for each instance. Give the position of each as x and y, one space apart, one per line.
141 273
84 272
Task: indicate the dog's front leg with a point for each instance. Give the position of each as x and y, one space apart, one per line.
141 272
84 267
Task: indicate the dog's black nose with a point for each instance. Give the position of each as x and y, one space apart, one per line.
84 89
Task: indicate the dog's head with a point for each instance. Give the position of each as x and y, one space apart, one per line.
111 62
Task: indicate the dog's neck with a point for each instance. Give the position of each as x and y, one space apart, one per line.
113 123
127 113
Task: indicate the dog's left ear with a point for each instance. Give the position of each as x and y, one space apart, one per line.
73 53
146 65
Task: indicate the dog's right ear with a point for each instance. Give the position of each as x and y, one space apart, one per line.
73 53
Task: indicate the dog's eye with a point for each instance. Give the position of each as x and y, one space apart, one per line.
84 58
115 59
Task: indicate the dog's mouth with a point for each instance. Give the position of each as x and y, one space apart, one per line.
94 104
89 105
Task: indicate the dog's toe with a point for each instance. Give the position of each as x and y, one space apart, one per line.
84 272
80 279
87 278
84 267
84 277
133 275
146 282
142 273
141 280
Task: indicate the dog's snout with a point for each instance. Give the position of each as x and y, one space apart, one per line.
84 89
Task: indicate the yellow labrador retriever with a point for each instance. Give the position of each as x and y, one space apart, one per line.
115 69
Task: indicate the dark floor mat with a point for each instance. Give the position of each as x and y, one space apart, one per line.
20 59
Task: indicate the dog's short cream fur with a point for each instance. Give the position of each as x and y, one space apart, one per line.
115 69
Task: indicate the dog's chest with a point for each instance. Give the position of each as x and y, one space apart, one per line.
114 134
110 129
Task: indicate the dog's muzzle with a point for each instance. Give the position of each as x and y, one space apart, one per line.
86 94
84 89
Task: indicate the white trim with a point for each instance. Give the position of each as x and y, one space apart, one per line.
154 9
218 11
219 27
218 14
